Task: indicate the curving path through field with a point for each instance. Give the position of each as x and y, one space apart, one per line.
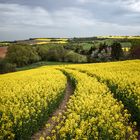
62 107
98 78
44 132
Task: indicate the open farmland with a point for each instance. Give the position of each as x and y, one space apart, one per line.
120 37
3 51
105 102
42 41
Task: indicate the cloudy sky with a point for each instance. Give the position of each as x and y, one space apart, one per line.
23 19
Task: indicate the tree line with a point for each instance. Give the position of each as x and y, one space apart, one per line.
19 55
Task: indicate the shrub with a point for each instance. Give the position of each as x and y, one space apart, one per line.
135 49
56 53
75 57
6 67
116 51
22 55
42 52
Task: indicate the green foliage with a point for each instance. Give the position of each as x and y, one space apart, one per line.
135 49
87 46
84 39
103 46
79 47
42 52
22 55
116 51
75 57
61 54
6 67
126 44
77 50
56 53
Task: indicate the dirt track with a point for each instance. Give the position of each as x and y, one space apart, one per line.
62 107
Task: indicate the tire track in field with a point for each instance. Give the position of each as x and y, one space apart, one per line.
98 78
61 109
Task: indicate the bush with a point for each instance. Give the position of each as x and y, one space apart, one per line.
116 51
6 67
22 55
75 57
135 49
42 52
60 54
56 53
135 53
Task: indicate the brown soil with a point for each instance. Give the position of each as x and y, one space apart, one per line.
62 107
3 51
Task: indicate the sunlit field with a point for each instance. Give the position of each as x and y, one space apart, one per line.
105 103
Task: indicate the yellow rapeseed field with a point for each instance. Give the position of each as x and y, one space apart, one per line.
52 41
26 100
105 103
120 37
93 113
123 79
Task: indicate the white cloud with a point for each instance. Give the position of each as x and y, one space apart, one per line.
82 1
15 14
25 21
97 1
75 17
133 5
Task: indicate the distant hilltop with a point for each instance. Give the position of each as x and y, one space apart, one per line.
38 41
65 39
120 37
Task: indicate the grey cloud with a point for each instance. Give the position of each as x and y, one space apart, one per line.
53 18
16 14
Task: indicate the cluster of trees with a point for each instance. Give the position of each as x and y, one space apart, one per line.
18 56
21 55
85 39
59 53
105 52
5 66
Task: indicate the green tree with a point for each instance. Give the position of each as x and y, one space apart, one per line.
6 66
78 48
22 55
116 51
42 52
135 49
74 57
56 53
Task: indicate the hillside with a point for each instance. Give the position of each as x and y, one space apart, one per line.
103 102
23 53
